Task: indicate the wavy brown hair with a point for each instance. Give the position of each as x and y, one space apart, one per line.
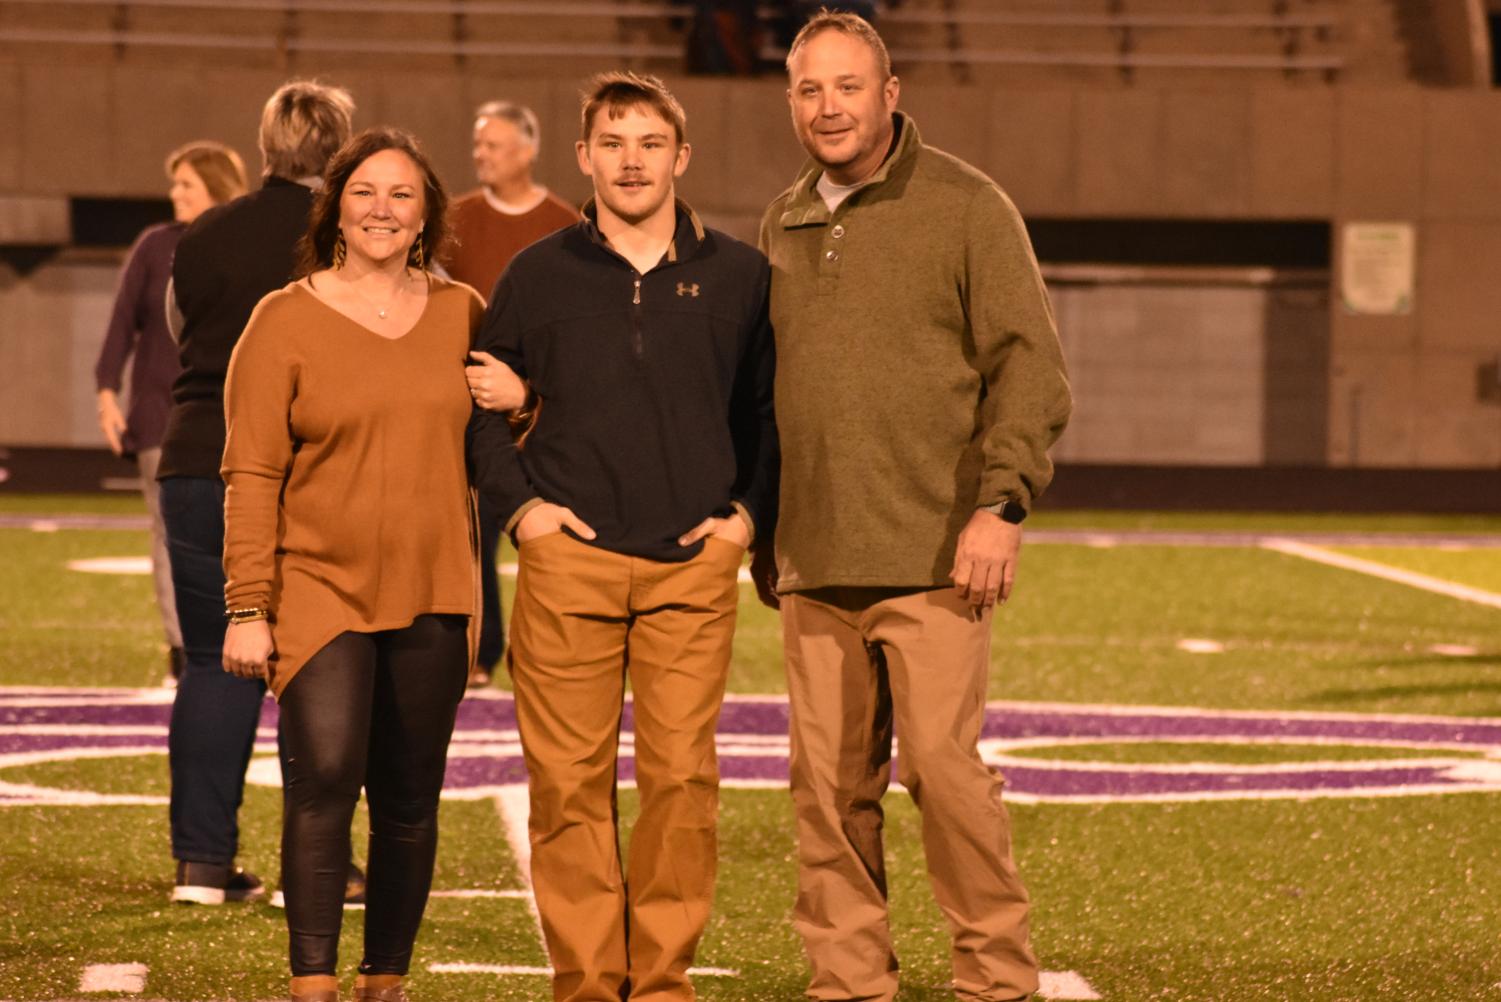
316 248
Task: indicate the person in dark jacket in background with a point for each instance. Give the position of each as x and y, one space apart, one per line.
227 260
651 467
203 174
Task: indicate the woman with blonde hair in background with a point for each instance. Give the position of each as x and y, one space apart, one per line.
203 174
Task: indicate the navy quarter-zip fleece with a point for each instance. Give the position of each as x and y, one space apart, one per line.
656 389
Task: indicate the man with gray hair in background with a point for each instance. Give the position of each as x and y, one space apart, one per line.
507 212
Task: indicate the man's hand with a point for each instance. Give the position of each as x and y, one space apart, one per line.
493 384
985 563
546 519
732 529
111 420
248 649
764 574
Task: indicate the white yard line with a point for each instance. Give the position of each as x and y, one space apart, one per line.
513 969
514 808
1386 572
1065 985
127 978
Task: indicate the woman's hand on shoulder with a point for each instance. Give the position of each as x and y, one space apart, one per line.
248 648
493 384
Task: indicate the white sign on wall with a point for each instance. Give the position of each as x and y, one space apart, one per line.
1376 268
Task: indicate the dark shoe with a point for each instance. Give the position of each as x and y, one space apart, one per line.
354 887
212 884
200 883
243 885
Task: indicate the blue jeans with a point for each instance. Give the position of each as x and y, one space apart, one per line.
215 714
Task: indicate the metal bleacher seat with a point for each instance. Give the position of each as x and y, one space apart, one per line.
981 40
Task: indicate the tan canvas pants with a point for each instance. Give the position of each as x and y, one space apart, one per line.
583 617
858 661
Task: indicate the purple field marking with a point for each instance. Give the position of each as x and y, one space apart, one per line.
760 722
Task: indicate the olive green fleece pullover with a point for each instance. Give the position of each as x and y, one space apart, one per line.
919 373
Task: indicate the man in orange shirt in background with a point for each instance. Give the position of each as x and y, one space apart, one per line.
507 212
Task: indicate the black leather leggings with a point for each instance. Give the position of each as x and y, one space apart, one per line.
373 710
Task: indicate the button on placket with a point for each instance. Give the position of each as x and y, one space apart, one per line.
828 267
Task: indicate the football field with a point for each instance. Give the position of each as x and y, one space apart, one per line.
1247 758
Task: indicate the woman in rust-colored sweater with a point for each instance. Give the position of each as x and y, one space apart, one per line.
348 553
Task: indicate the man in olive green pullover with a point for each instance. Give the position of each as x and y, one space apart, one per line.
919 386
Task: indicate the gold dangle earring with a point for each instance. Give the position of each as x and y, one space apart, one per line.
339 251
419 259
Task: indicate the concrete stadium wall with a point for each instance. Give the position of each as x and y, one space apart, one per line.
1399 391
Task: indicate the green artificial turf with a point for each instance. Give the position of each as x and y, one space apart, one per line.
1261 521
1478 567
113 503
1314 900
1085 624
1324 900
1102 625
64 627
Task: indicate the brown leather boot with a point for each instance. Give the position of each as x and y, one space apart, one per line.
307 989
391 993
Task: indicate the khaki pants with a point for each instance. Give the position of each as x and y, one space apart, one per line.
858 661
583 617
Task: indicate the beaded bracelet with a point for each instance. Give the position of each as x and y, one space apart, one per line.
250 615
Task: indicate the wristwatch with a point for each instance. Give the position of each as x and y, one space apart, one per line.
1007 509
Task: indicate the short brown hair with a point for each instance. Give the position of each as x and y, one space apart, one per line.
218 166
316 248
302 125
850 24
621 90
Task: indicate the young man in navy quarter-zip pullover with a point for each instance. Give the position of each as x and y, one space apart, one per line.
650 469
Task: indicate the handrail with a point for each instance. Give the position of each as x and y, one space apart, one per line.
272 43
578 8
678 8
1134 60
1119 19
1124 58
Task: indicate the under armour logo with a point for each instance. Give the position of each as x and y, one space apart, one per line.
688 289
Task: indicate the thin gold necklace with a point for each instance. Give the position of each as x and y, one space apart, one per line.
380 311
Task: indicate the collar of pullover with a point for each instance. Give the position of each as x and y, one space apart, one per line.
806 207
685 240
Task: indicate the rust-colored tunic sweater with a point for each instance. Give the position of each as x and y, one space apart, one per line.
346 505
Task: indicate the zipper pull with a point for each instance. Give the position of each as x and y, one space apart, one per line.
636 296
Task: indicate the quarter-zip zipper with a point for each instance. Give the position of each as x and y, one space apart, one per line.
636 345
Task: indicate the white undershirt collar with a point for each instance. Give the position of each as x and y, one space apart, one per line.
514 208
833 194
